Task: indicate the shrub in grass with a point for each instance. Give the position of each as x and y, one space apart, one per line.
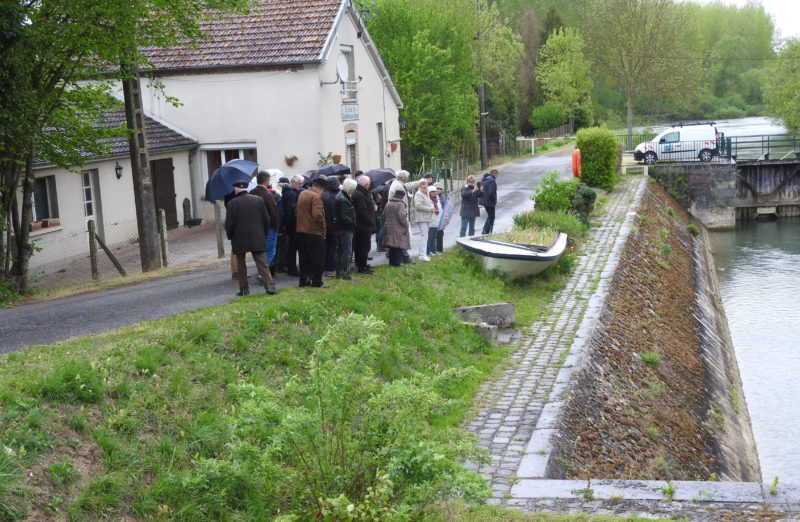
651 359
693 230
598 157
553 193
583 202
100 498
341 435
62 471
72 381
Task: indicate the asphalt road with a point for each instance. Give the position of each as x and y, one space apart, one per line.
51 321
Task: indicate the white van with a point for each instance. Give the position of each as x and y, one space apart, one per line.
686 141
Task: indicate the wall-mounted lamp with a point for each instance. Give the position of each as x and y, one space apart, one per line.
118 170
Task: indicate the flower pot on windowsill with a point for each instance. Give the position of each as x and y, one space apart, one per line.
36 225
337 158
290 160
51 222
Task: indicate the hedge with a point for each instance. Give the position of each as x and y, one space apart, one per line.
598 157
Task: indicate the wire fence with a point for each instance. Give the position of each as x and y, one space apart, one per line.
64 258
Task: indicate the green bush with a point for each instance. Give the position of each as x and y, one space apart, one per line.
598 157
583 202
555 194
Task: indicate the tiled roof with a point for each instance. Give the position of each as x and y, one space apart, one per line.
159 137
274 32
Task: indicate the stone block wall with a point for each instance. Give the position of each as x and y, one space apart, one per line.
706 190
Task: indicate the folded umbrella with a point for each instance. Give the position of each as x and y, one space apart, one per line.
220 184
380 176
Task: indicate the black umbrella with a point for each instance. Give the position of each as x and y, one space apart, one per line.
220 184
380 176
334 169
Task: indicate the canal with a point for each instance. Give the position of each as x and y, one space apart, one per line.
758 266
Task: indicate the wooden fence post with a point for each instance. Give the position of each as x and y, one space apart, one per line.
93 250
162 231
220 241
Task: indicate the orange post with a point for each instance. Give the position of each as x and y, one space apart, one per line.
576 163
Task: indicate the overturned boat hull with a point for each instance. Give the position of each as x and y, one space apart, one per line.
512 259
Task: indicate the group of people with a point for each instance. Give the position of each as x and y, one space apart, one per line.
329 222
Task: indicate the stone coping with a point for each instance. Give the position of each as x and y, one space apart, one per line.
786 496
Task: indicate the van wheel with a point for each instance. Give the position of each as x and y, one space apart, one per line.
705 155
650 157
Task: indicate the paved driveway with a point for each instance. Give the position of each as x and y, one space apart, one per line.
59 319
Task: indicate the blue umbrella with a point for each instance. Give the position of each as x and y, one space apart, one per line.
380 176
220 184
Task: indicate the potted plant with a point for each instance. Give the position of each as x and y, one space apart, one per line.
290 159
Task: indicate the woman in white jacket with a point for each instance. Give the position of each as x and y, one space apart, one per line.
423 212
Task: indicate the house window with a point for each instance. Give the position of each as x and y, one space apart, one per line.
349 84
88 194
45 202
215 158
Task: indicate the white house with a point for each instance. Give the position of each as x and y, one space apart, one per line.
64 201
290 79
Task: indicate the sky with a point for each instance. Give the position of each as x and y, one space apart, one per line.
785 14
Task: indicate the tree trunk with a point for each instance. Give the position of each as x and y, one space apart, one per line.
630 121
19 268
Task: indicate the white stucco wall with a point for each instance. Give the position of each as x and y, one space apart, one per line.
375 104
116 210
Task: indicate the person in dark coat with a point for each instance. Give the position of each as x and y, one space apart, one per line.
246 224
381 197
289 198
345 224
489 198
262 190
469 206
311 232
328 197
366 224
398 233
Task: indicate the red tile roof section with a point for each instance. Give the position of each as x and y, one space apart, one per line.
274 32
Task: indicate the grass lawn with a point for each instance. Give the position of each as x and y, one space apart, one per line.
212 414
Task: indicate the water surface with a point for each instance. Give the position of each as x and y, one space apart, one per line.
758 267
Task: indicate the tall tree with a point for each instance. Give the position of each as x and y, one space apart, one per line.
644 46
528 30
552 23
564 72
781 94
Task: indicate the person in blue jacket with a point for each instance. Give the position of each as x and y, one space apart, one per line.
489 198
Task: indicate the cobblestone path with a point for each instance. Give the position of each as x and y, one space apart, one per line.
509 407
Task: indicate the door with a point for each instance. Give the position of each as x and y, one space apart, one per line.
164 189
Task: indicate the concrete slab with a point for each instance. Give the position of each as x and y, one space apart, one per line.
533 466
784 493
498 314
532 488
628 489
703 491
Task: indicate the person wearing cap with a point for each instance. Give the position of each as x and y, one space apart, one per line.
311 231
398 234
246 225
262 190
489 198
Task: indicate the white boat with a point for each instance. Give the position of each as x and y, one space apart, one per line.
513 259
